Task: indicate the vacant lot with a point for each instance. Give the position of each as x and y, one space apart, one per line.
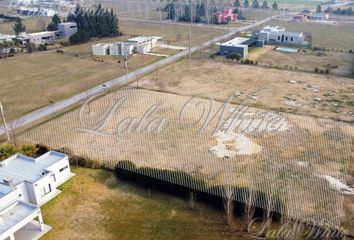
94 206
337 36
338 63
298 155
174 34
308 94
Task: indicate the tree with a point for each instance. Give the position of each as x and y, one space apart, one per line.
265 5
18 26
237 3
201 13
97 21
53 26
56 19
80 37
319 8
246 4
171 11
255 4
275 6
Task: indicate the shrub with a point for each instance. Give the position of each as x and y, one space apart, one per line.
79 37
7 151
29 150
234 56
84 162
43 47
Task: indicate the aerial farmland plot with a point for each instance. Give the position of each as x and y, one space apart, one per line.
250 144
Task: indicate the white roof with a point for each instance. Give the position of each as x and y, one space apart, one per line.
273 29
142 39
21 168
68 23
101 45
15 213
236 42
41 33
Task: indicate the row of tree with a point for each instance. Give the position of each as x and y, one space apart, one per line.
255 4
96 22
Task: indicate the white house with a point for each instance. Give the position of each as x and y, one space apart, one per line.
144 44
25 184
38 37
278 34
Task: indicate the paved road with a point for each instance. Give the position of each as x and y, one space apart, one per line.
61 105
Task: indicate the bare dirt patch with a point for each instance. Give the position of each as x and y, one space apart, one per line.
314 94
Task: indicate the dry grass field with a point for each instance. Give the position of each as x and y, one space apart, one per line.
340 63
33 24
287 153
45 77
302 93
31 81
94 206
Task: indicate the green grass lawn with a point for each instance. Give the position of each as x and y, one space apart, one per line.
94 206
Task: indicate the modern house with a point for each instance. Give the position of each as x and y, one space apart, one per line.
144 44
67 29
25 184
278 35
225 16
38 38
239 46
141 44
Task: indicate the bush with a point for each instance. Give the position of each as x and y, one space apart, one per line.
79 37
84 162
234 56
8 150
43 47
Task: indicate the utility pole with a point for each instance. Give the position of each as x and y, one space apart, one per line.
4 121
190 29
126 67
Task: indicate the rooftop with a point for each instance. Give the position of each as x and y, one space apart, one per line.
273 29
21 168
15 213
142 39
236 42
41 33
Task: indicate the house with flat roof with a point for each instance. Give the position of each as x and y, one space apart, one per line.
276 34
239 46
144 44
25 184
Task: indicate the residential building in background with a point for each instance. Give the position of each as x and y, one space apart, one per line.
276 34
